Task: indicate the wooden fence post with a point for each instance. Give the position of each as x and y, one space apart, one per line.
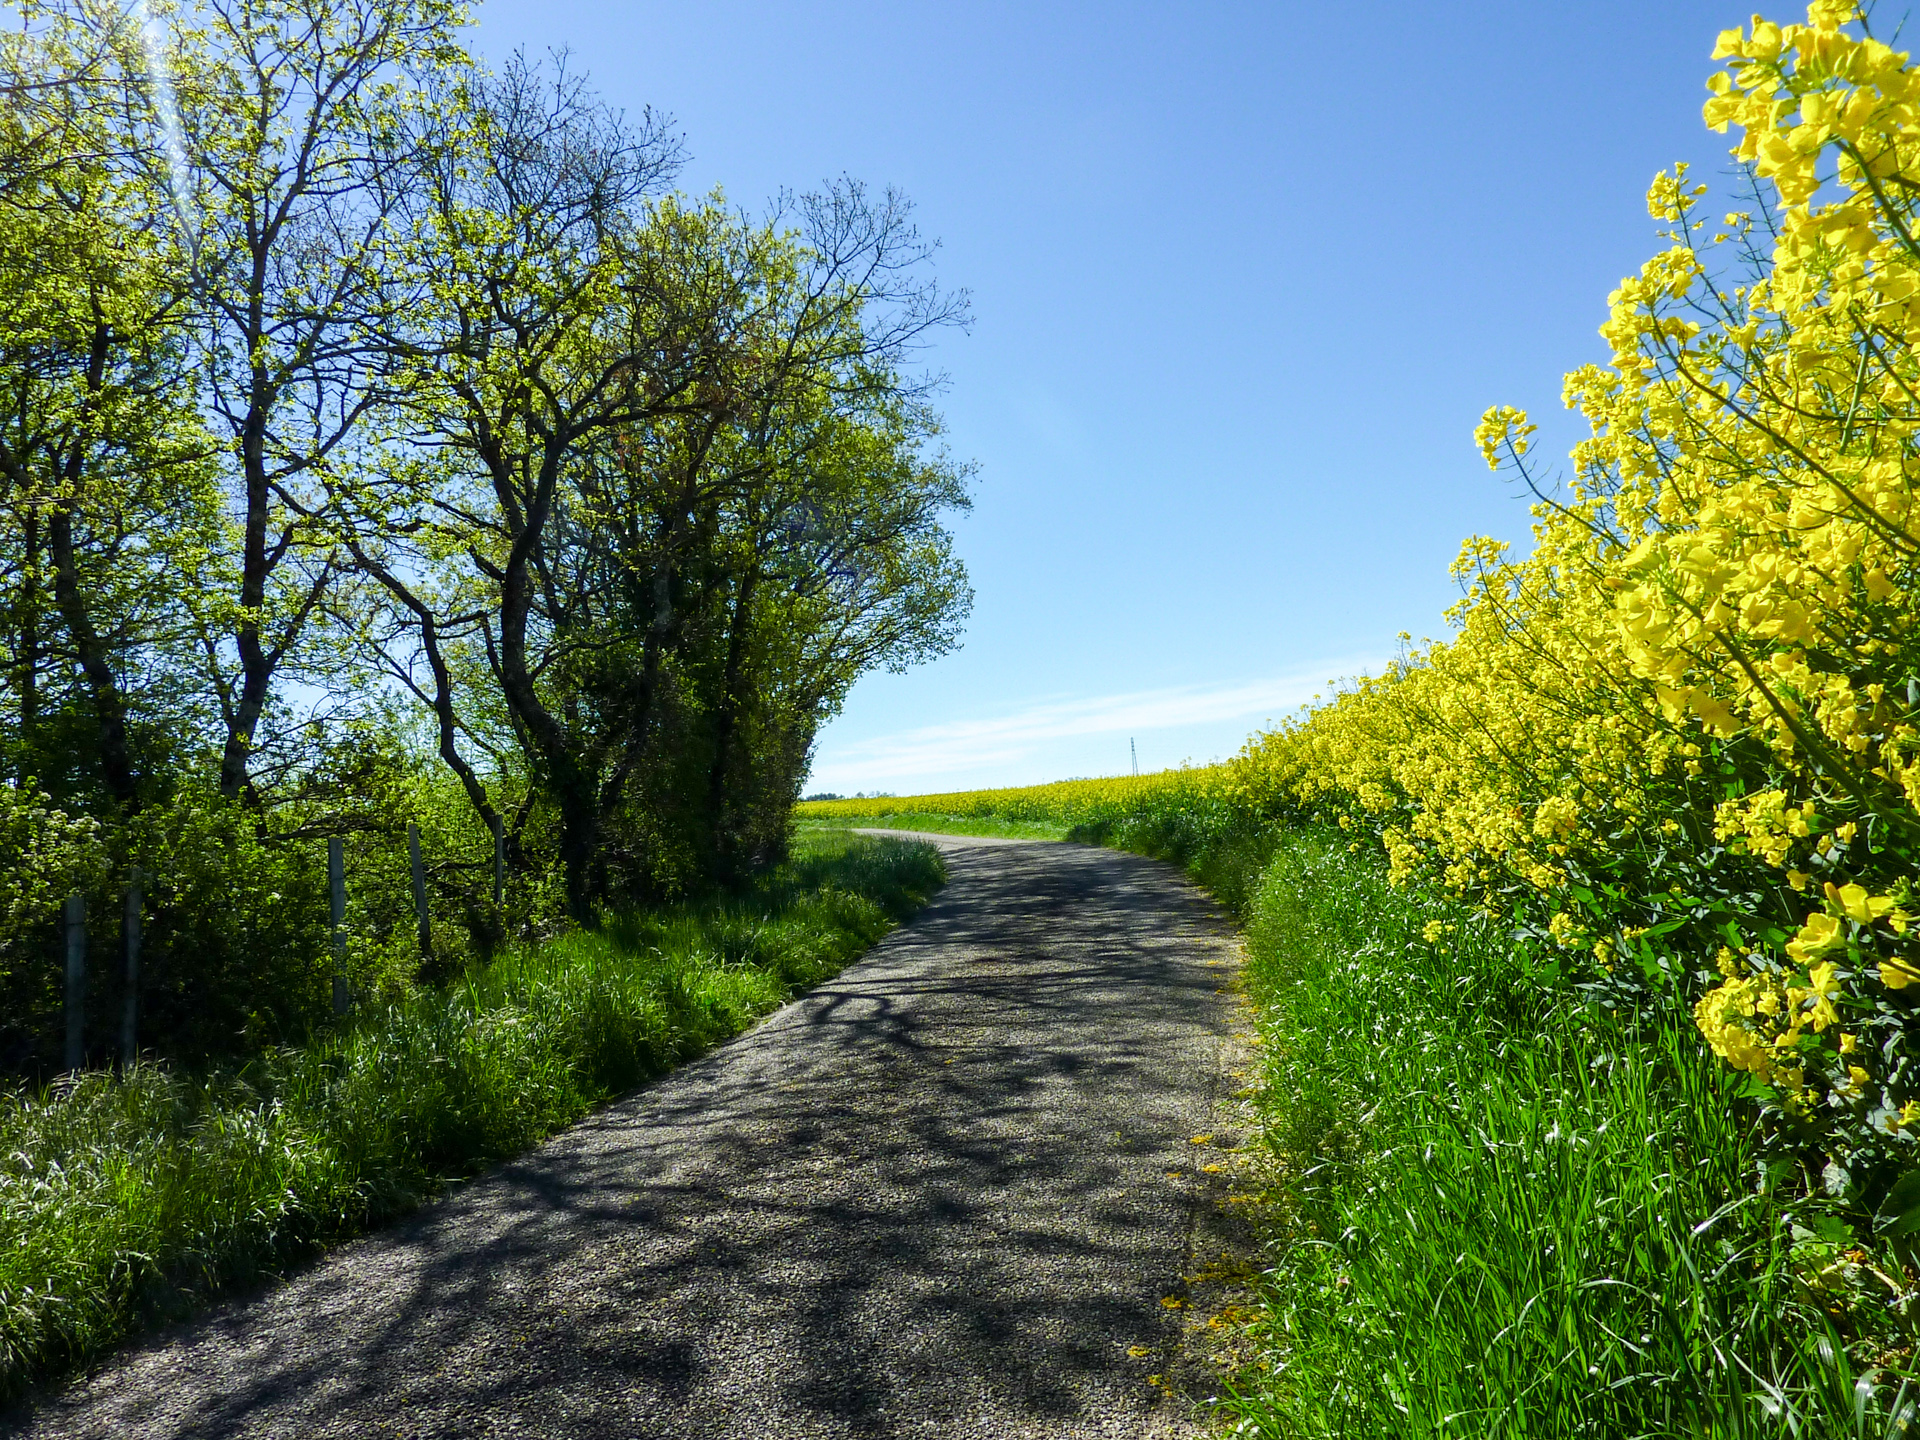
337 887
76 915
130 1001
419 890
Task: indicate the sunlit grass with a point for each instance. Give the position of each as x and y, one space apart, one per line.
126 1198
936 823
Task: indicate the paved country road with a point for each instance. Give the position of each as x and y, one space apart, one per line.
932 1197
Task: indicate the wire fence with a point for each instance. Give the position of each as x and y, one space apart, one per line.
74 928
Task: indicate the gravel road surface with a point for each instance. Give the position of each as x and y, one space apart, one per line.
941 1195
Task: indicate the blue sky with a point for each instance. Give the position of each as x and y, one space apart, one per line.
1244 278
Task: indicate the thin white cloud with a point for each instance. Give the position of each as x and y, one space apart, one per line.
1000 743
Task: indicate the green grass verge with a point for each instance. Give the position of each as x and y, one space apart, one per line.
927 822
1501 1209
129 1199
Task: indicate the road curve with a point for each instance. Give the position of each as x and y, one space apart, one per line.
942 1195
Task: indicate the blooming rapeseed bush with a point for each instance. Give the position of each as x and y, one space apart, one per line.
1680 741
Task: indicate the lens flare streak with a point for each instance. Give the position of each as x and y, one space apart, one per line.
153 41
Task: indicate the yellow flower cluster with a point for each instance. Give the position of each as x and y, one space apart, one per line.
1690 718
1763 824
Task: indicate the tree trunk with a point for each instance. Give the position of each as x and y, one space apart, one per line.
30 628
109 706
725 724
446 720
574 788
256 672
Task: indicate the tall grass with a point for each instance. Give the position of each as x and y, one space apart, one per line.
1501 1209
125 1199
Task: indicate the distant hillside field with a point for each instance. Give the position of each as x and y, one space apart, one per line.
1065 802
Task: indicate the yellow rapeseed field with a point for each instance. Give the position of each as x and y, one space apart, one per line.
1065 802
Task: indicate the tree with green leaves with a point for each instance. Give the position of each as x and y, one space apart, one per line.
597 387
106 484
300 137
382 442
